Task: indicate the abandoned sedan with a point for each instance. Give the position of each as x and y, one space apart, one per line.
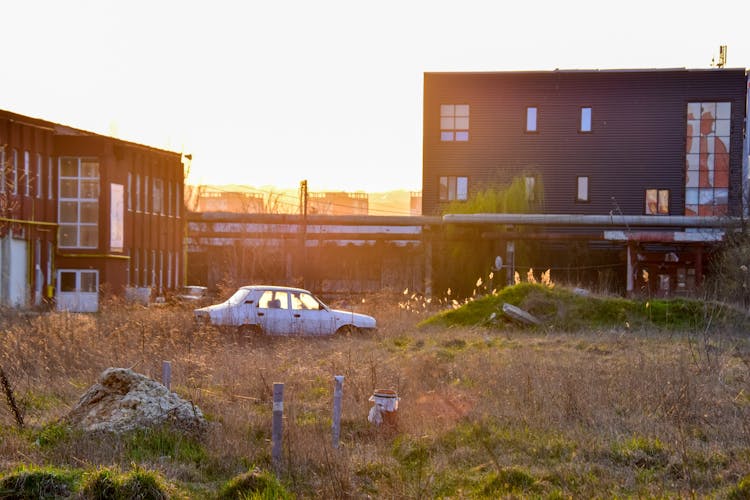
279 310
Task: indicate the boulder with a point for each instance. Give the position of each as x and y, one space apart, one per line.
124 400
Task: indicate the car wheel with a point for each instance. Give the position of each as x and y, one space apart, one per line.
347 330
247 332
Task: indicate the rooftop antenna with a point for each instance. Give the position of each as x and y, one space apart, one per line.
722 57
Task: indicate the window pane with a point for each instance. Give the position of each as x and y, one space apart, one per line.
89 236
89 212
651 201
69 211
724 110
462 136
443 188
89 168
585 119
69 167
583 189
68 188
531 119
693 110
90 189
88 281
447 110
462 188
447 123
462 123
67 281
68 235
722 128
265 299
530 183
462 110
309 301
663 202
446 136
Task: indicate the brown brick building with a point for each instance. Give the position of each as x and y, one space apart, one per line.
83 214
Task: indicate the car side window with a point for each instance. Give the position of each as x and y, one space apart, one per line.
309 302
273 300
304 301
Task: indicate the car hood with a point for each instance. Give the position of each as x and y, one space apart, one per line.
351 318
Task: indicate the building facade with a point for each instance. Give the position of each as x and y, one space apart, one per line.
82 215
643 145
648 142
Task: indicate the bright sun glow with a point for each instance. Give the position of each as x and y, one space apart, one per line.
270 93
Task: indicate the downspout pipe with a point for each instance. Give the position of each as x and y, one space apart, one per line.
746 154
627 221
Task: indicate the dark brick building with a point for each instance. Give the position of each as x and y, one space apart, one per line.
663 142
82 214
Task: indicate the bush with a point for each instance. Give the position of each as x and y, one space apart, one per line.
36 483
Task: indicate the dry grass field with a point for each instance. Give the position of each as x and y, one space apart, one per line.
484 412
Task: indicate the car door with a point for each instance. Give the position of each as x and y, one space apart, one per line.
309 316
274 314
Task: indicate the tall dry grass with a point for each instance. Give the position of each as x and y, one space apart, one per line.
559 414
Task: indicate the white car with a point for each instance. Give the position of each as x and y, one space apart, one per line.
277 310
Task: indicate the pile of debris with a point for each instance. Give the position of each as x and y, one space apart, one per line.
124 400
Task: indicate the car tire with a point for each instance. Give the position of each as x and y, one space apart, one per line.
347 330
246 333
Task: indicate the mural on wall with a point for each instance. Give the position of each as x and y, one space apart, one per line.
707 158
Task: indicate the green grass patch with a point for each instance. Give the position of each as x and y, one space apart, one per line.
255 485
562 309
115 485
641 452
38 482
143 445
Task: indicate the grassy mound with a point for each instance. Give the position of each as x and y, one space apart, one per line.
563 309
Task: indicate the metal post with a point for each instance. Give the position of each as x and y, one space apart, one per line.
276 431
166 374
337 393
510 256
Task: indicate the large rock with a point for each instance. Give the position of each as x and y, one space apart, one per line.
124 400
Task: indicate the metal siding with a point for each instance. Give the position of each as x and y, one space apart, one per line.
637 139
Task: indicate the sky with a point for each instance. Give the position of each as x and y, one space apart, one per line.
270 93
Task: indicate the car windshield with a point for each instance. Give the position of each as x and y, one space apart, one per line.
238 297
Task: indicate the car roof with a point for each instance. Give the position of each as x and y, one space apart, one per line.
275 288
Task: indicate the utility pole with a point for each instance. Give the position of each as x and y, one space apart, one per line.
303 199
303 228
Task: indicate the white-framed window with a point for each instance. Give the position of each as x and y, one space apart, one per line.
78 203
27 173
146 204
454 122
157 196
136 268
530 182
657 202
130 192
137 192
531 116
78 290
454 188
50 177
14 174
3 169
169 198
582 188
39 183
178 201
585 119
